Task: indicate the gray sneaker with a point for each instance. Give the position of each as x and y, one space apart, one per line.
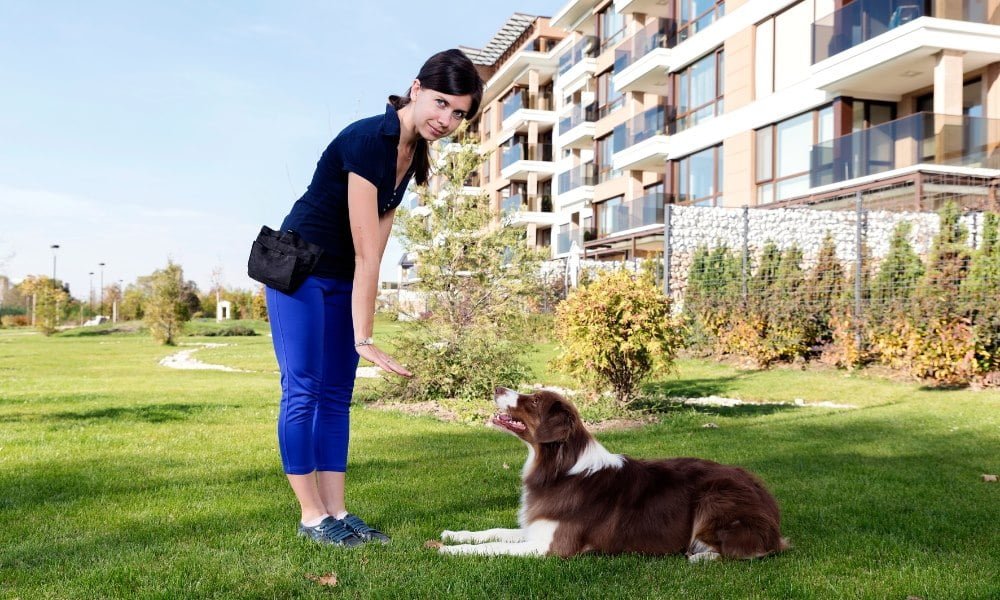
363 530
333 532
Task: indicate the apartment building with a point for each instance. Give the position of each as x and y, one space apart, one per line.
607 111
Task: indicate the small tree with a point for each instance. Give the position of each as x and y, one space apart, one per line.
48 296
477 276
615 333
165 309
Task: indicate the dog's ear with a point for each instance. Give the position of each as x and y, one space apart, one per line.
556 426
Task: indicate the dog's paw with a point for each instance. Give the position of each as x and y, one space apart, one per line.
704 557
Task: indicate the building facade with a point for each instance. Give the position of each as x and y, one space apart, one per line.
599 116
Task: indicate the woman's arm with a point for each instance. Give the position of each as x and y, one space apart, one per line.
370 236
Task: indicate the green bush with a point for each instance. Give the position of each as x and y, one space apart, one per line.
615 333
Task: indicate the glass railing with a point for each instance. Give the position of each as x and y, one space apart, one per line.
579 115
511 204
862 20
649 123
585 174
654 35
647 210
921 138
514 103
525 151
587 47
566 235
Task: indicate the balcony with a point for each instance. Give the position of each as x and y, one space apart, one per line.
522 159
571 232
633 214
576 186
523 210
890 45
577 130
921 138
519 110
643 61
646 143
579 60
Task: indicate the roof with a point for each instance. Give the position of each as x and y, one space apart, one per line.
489 54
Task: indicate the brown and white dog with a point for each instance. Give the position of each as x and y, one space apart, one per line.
578 497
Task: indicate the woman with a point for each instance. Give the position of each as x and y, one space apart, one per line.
322 327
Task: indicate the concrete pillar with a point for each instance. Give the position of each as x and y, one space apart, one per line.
948 129
991 110
948 9
948 82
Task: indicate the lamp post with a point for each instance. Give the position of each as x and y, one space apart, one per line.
55 286
118 299
54 248
102 286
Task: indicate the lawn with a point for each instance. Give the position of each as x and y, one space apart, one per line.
123 479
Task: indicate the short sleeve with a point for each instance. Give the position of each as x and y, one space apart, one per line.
364 155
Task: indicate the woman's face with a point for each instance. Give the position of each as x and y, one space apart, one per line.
435 113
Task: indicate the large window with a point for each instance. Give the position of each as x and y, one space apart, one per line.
698 178
612 26
606 147
699 90
783 153
608 98
780 55
695 15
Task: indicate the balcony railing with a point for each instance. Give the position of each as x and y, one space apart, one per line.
571 232
525 151
585 174
511 204
646 125
647 210
654 35
514 103
587 47
862 20
921 138
579 115
519 100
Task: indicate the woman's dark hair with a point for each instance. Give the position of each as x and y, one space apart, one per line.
449 72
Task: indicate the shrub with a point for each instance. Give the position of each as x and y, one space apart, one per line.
615 333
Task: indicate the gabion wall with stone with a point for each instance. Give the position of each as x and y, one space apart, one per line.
693 227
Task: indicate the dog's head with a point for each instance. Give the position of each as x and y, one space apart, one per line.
541 418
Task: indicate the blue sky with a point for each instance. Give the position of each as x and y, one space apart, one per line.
136 132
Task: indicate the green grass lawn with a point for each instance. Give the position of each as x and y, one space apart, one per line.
123 479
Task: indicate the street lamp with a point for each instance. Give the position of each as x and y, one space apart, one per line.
54 285
102 286
54 248
91 292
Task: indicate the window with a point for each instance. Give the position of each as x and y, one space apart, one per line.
699 90
695 15
779 56
612 216
698 178
608 98
612 27
605 149
487 124
783 152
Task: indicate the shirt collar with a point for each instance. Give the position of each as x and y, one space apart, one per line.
390 122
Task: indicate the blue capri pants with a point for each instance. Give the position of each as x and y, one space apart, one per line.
313 335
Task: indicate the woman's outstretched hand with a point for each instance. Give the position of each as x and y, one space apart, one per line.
382 360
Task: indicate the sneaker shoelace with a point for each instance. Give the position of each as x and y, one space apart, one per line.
357 525
334 529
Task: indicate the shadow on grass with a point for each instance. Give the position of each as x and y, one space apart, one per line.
694 388
151 413
667 406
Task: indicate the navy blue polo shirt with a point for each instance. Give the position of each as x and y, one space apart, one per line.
369 148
